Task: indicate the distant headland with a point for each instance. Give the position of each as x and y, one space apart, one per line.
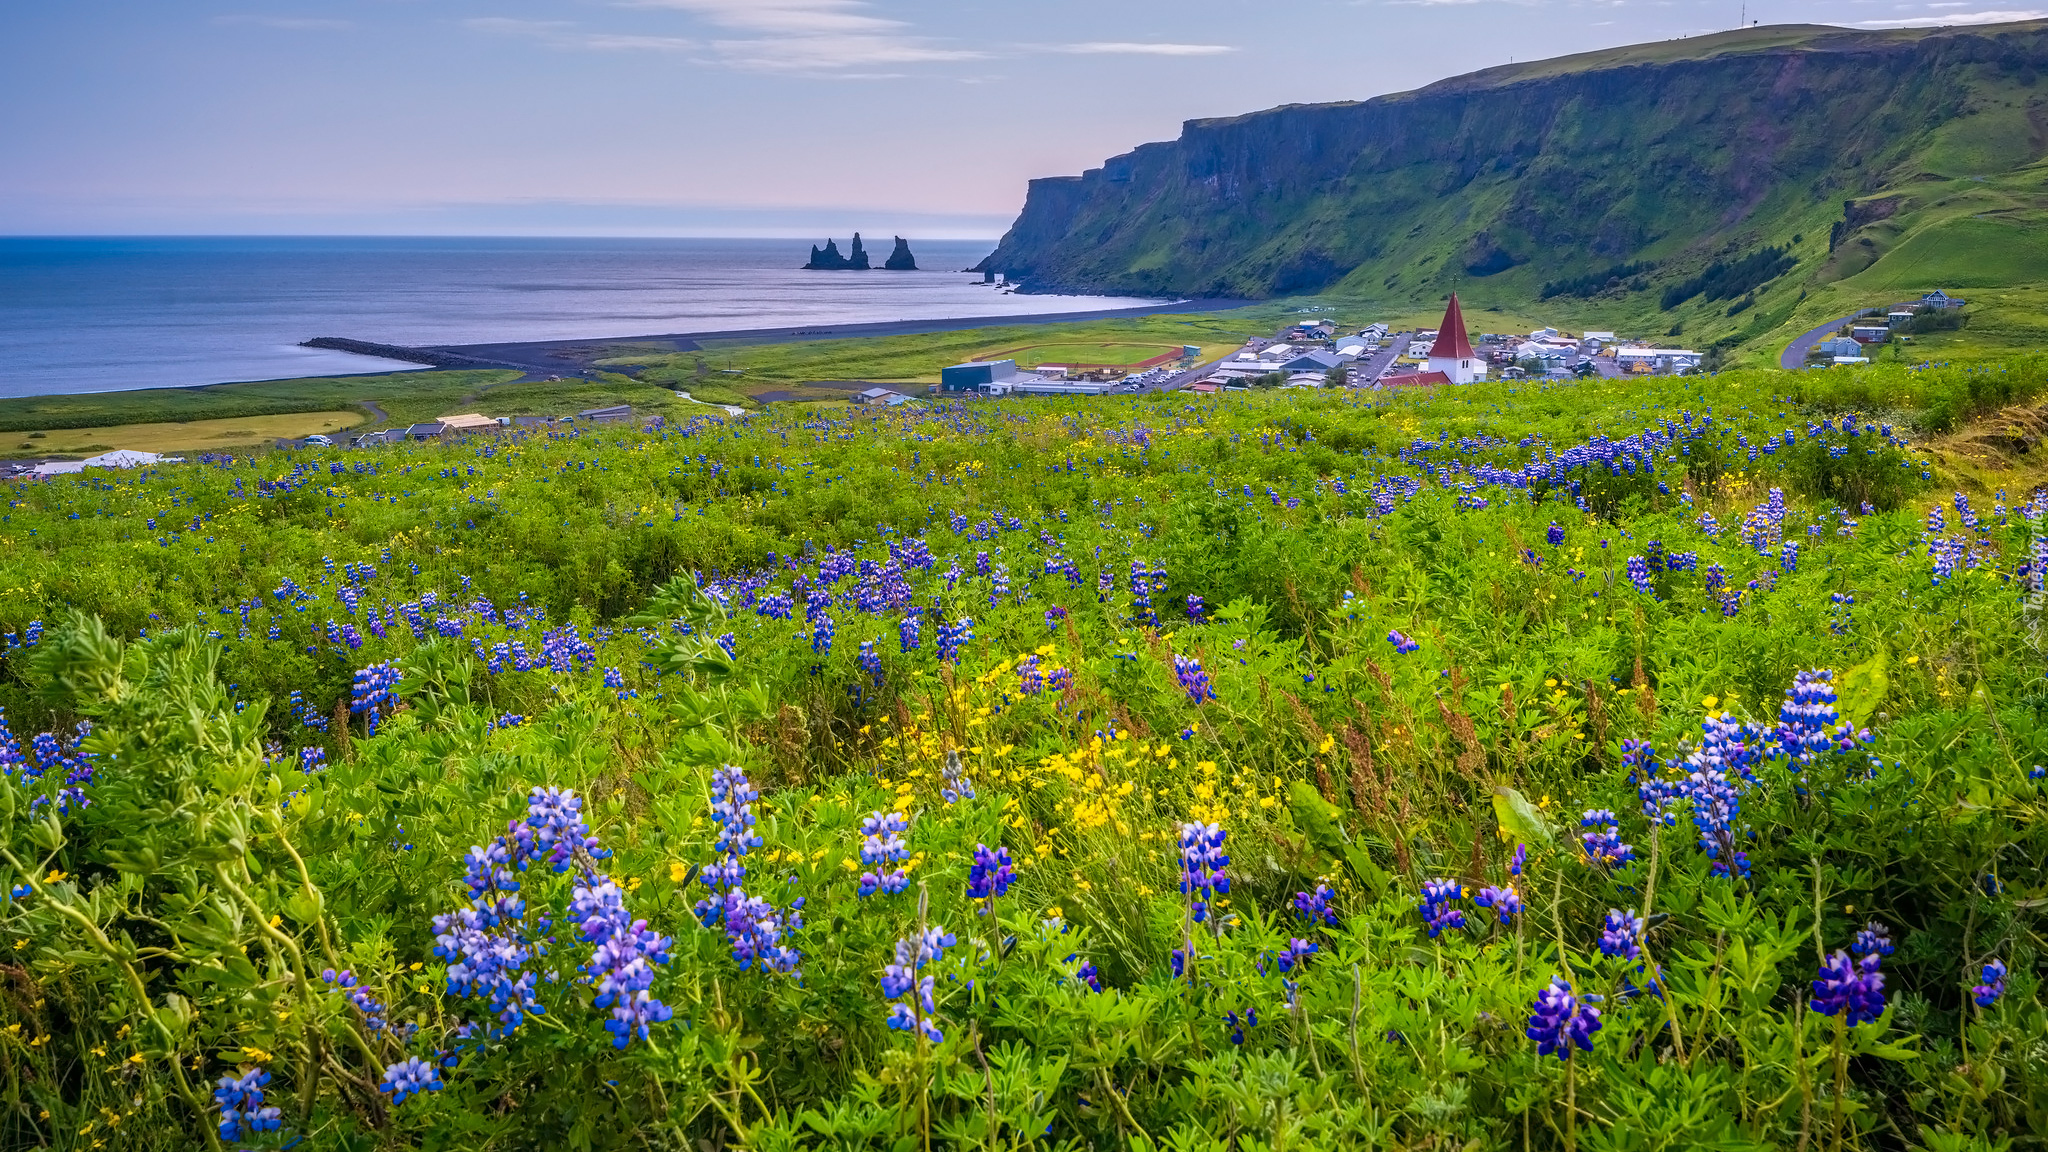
829 259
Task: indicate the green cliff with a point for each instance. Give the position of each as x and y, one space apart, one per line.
1702 178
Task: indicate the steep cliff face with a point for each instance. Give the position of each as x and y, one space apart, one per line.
1667 154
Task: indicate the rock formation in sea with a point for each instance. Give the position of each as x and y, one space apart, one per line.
901 260
829 260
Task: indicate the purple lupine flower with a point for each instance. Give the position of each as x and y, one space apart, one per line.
624 955
1402 644
1315 906
990 877
1203 866
1621 935
1053 616
913 1010
242 1112
869 661
371 693
1085 973
952 635
1603 845
882 848
1845 987
1554 534
1197 612
1638 572
1993 987
1193 679
1436 909
821 634
1561 1020
907 638
1873 937
1505 902
1238 1023
954 784
1030 680
408 1078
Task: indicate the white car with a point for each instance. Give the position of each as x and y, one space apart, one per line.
317 439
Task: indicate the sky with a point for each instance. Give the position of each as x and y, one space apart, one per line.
707 117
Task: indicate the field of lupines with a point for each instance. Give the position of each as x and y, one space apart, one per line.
1597 765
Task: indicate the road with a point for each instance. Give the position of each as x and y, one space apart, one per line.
543 358
1375 366
1794 355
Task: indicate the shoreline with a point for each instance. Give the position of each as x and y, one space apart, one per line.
575 357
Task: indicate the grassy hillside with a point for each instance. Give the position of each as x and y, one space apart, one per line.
1593 765
1793 171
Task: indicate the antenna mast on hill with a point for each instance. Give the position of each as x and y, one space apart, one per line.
1745 15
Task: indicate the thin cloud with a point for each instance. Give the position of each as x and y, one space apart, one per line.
1121 48
840 39
288 23
1952 18
565 35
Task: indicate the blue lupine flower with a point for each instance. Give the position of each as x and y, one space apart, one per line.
1872 938
1621 934
1505 902
1554 534
1085 973
1203 866
408 1078
884 846
1603 845
1436 909
990 876
1197 614
1993 987
1314 906
1402 644
1238 1023
870 662
1851 988
1561 1020
911 1013
954 784
952 635
1193 680
242 1113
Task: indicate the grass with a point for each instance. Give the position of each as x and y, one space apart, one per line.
1079 352
185 436
400 393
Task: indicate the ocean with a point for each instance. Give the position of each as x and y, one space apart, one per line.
107 314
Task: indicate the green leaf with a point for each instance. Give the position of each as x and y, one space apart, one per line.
1519 819
1862 688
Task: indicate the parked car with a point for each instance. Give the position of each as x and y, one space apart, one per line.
317 440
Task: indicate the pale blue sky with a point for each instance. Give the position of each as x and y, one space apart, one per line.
704 117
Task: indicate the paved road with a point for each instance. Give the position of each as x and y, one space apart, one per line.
1376 365
1794 355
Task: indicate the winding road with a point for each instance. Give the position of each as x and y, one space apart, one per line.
1794 356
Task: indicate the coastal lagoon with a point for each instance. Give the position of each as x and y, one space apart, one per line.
107 314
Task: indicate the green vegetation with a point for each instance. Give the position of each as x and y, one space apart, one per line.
1080 352
400 391
1908 160
1558 744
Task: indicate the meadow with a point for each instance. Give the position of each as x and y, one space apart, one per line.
1589 765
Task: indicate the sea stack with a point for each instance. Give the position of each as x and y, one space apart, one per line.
901 260
828 259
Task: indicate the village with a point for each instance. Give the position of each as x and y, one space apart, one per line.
1321 353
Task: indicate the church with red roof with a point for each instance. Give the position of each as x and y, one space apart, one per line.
1452 352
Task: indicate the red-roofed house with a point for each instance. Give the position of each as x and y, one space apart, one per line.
1452 352
1413 380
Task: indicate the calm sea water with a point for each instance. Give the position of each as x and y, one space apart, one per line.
91 315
